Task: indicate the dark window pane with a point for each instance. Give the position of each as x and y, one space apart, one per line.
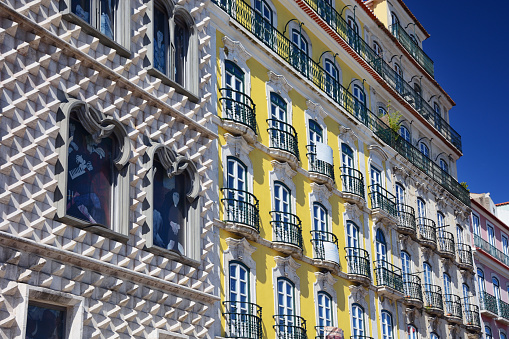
160 41
45 323
181 50
82 9
108 8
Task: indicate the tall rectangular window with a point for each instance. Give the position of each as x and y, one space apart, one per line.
45 321
491 235
475 225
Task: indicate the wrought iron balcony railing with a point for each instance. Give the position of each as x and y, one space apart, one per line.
472 316
491 249
319 166
238 107
250 20
241 207
243 320
283 136
412 287
388 275
353 181
433 297
321 241
427 230
452 305
465 254
357 261
413 48
489 303
290 327
382 199
503 309
445 242
340 26
287 228
406 218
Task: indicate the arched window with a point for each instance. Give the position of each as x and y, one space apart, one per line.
418 97
428 274
394 19
182 50
353 25
347 156
236 191
359 94
359 102
447 292
381 248
503 335
387 332
279 128
378 50
234 76
444 166
331 78
466 296
352 237
324 310
300 50
399 77
278 107
282 196
496 290
162 39
263 9
438 116
406 264
405 134
285 306
459 234
434 336
381 111
412 332
400 195
239 286
476 229
487 332
320 218
358 328
480 282
424 149
414 39
440 228
421 208
264 20
315 132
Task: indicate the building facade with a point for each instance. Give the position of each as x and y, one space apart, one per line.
340 208
108 182
490 235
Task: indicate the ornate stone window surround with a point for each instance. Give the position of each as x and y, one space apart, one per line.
240 250
237 147
235 52
279 85
283 173
377 159
317 113
353 214
286 267
348 137
325 283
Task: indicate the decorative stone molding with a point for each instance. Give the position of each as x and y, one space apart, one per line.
400 174
427 254
411 315
237 147
447 264
241 250
421 189
321 194
358 294
382 155
316 112
287 267
235 51
353 213
325 283
279 84
347 136
282 171
405 241
433 323
453 331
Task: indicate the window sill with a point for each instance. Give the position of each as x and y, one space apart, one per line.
121 50
167 81
173 256
96 229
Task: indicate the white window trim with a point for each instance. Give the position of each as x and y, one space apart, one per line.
317 113
295 26
325 283
238 54
335 63
321 194
240 250
286 267
279 85
237 147
274 12
282 172
378 158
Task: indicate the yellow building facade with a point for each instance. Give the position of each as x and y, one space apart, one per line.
340 210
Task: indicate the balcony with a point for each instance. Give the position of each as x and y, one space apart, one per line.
242 320
241 212
491 250
287 232
388 279
465 258
433 302
472 318
383 203
325 250
453 308
358 269
290 327
412 48
503 315
413 290
321 170
446 244
238 114
283 141
406 220
488 305
251 22
353 185
427 232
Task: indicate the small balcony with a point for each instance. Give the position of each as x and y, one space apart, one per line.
358 269
465 258
388 279
413 290
503 315
242 320
325 250
239 115
491 250
472 318
433 302
287 232
383 203
453 308
446 244
241 212
353 185
290 327
489 305
406 220
427 232
283 144
321 168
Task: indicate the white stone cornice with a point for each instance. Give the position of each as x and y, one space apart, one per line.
316 110
238 144
358 293
282 169
239 248
235 50
279 83
375 148
321 192
325 279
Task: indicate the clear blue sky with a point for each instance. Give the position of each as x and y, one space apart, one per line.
470 47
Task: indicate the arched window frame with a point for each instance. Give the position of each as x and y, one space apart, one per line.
239 250
379 243
406 258
387 325
235 53
481 284
95 123
424 149
444 165
278 85
433 335
378 49
357 307
404 132
248 289
331 307
394 18
318 205
488 332
286 269
272 8
325 284
412 331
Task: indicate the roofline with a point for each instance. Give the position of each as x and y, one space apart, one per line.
410 57
502 203
494 217
409 12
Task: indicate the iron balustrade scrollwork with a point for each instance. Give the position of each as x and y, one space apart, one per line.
318 166
427 229
290 327
382 199
445 241
452 305
412 287
241 207
238 107
433 297
357 261
287 228
491 249
465 254
318 238
252 21
243 320
472 316
283 136
489 302
388 275
353 181
406 218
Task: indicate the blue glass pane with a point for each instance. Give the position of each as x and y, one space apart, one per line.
43 323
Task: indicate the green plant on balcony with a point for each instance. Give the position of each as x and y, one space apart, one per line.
465 185
392 118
